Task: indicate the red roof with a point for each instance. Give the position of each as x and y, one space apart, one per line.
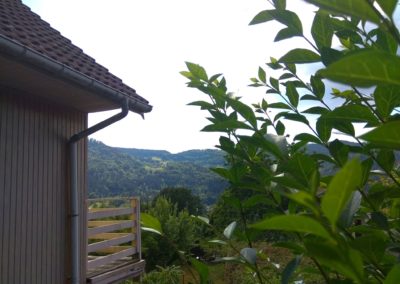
20 24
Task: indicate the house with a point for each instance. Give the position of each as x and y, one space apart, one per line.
47 88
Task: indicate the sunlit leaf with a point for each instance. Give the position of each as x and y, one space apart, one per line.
197 71
339 191
293 223
150 224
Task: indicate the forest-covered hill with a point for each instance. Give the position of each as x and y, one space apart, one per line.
136 172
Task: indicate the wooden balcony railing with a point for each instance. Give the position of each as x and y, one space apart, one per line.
114 244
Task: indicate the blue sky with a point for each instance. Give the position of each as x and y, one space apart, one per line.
146 43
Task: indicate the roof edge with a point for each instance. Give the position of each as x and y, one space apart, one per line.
50 66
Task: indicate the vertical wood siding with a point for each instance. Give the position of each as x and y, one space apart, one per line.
34 189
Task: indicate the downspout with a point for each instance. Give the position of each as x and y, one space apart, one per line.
74 215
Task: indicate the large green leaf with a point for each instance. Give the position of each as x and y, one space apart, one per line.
293 223
290 269
387 98
300 55
358 8
224 126
365 68
202 269
352 113
288 18
385 136
388 6
292 94
321 30
339 191
324 128
245 111
393 276
344 260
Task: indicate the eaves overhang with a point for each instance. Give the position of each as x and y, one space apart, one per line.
24 55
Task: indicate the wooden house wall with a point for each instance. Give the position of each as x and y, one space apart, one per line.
34 189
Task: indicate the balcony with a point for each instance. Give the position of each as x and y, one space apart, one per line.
114 244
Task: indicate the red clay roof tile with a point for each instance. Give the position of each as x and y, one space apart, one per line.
19 23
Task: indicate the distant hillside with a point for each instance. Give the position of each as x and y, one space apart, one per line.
128 172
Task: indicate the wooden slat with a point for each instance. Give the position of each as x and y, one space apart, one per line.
113 249
119 225
103 260
110 242
130 270
98 213
108 236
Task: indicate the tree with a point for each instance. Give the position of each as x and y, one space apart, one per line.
347 222
184 199
176 233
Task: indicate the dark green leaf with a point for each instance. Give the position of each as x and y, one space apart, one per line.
202 269
300 55
301 167
340 189
214 77
296 117
365 68
344 260
261 75
202 104
321 30
292 94
388 6
318 86
315 110
387 98
274 83
286 33
393 275
280 128
386 159
224 126
244 110
386 41
330 55
339 151
280 4
385 136
197 71
309 98
290 269
279 105
371 245
357 8
307 137
288 18
286 76
324 128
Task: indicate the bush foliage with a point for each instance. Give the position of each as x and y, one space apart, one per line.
347 223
